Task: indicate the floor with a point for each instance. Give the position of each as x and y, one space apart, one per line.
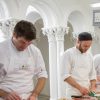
43 97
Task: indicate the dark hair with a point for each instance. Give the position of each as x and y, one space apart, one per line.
25 29
84 36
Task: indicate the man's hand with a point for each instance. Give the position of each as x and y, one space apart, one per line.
92 89
32 97
93 86
84 90
12 96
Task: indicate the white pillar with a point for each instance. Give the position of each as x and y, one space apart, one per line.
60 32
50 32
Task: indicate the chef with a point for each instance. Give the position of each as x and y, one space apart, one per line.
20 61
77 67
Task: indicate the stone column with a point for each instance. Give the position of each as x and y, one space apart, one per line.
50 32
60 32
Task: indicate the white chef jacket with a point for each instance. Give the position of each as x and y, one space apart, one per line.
80 67
17 68
97 67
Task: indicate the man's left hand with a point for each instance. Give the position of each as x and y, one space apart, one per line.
32 97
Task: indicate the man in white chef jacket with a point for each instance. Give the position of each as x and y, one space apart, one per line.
97 67
77 67
20 61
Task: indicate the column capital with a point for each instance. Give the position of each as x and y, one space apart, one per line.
57 32
60 32
50 32
7 26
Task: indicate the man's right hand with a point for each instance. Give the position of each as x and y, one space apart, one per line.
12 96
84 90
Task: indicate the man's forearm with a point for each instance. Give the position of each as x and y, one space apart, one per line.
39 86
93 85
72 82
3 93
83 90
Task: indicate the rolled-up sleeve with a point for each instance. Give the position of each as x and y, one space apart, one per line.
65 65
40 69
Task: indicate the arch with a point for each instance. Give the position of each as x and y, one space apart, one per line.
76 18
45 10
32 14
3 10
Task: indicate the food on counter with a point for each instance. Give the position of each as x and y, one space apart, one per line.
92 94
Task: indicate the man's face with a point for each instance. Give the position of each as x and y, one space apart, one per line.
20 43
84 45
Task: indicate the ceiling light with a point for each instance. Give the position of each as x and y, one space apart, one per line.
95 5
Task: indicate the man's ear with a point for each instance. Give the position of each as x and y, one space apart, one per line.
14 35
77 41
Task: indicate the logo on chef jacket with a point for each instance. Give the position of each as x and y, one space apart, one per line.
30 68
23 67
36 70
